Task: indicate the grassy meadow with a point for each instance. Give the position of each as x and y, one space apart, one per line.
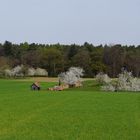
76 114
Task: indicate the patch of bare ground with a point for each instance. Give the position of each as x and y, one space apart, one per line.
46 79
40 79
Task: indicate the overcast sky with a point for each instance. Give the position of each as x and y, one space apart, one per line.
70 21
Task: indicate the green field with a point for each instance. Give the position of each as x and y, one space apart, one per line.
76 114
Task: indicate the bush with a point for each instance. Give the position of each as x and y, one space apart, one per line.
15 72
102 78
108 87
41 72
125 82
31 72
20 71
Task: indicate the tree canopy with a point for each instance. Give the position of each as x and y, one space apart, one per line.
57 58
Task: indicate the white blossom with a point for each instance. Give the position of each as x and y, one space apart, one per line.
15 72
31 72
41 72
103 78
78 72
125 82
108 87
8 72
19 71
72 76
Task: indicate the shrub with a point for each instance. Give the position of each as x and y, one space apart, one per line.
102 78
31 72
15 72
125 82
41 72
20 71
108 87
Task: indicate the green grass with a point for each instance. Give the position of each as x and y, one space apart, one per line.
76 114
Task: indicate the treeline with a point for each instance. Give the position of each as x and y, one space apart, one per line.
58 58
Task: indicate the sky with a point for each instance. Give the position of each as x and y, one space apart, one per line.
70 21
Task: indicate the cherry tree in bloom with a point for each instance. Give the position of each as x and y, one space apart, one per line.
72 76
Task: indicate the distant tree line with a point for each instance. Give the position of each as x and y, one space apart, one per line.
57 58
